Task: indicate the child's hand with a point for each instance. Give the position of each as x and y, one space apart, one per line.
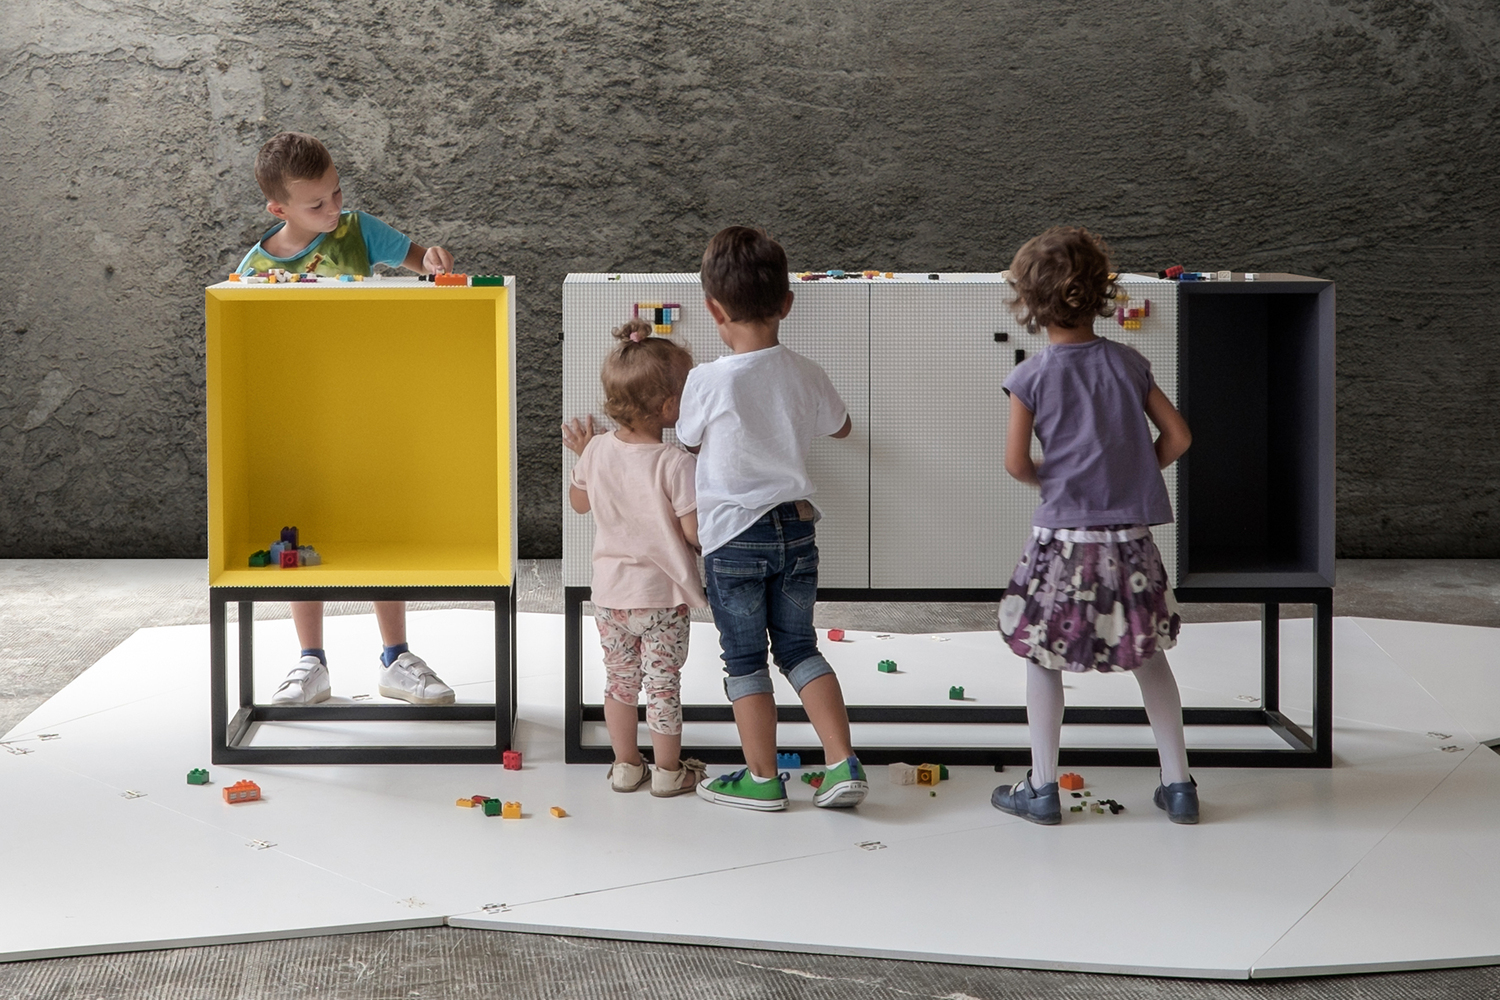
437 260
578 433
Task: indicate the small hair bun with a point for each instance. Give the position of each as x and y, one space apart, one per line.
635 329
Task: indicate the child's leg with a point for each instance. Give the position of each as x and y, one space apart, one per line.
307 616
1164 709
823 699
755 718
738 591
391 617
622 685
664 648
1044 716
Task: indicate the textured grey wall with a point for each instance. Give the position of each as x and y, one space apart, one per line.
1351 140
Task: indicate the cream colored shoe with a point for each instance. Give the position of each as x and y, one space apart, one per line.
625 777
665 784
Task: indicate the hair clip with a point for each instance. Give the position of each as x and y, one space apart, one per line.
635 336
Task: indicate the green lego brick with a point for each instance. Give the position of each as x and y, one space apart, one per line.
942 772
261 558
492 807
483 280
886 666
197 776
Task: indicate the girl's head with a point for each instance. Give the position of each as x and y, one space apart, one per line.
642 375
1062 279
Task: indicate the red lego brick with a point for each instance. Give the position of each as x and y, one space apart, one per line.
511 759
288 558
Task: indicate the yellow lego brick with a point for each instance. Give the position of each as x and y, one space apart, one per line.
465 803
559 812
1132 324
510 810
928 774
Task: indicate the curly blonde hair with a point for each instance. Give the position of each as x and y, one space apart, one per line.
642 373
1062 278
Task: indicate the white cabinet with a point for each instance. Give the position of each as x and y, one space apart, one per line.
917 496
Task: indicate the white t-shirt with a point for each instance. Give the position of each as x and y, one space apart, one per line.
754 415
637 493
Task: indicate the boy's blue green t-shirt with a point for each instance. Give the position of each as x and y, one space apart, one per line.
359 242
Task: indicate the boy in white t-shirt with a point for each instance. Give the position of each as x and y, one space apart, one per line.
752 415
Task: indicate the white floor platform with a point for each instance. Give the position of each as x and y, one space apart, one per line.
1382 863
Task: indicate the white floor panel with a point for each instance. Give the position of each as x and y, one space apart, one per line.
1428 896
1287 866
1458 665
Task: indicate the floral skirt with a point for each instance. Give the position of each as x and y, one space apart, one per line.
1090 599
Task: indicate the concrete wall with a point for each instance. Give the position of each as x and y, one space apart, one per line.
1355 141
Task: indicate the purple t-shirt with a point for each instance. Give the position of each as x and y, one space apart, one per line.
1098 457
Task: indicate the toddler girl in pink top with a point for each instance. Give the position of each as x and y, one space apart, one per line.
645 538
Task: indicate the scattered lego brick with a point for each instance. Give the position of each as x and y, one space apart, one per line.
835 635
928 774
942 772
789 761
288 558
902 774
234 277
511 810
1072 782
242 791
886 666
491 807
197 776
1075 809
289 536
346 277
488 281
1172 272
308 556
451 280
956 693
932 277
1020 355
261 558
559 812
479 800
464 803
511 760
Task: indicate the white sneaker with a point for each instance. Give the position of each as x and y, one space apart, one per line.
409 678
307 684
668 783
625 777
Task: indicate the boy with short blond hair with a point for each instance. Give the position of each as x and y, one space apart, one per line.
315 235
752 416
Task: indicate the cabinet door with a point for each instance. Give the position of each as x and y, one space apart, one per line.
943 513
830 323
593 305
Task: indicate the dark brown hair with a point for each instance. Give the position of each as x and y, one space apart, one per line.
744 270
289 156
642 374
1061 279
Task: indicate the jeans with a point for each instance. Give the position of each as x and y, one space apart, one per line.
763 584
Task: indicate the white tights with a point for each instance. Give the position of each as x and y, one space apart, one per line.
1044 715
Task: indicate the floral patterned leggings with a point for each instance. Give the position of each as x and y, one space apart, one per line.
649 644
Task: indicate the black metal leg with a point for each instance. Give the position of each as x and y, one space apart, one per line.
247 654
1323 677
1270 652
573 598
217 669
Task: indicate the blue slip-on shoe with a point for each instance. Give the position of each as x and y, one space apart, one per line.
1180 800
843 786
1039 805
740 790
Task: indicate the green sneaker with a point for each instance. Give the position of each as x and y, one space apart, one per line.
843 786
744 792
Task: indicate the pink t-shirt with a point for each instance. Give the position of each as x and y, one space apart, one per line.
637 493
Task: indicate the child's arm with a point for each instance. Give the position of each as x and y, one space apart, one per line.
689 523
578 499
428 260
1018 460
1175 436
843 431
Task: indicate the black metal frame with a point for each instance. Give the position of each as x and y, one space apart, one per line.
1303 750
229 732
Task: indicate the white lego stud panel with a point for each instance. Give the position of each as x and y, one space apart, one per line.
1156 338
593 305
828 324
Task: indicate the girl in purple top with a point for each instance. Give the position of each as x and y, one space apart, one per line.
1089 592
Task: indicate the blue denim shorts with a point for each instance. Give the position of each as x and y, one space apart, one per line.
762 586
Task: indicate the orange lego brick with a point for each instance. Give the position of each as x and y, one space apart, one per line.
242 791
1072 782
451 280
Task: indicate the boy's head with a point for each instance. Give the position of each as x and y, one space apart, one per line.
1062 279
744 270
297 176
